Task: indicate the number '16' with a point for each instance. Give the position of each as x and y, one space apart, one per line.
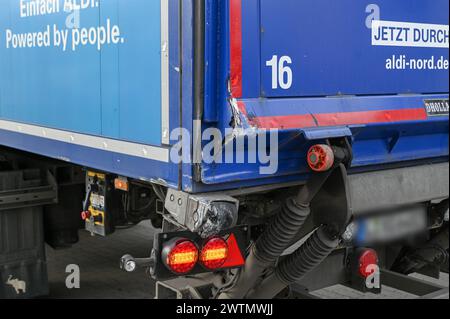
281 72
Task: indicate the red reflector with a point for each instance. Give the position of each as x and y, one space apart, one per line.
181 256
214 253
320 158
85 215
235 258
367 262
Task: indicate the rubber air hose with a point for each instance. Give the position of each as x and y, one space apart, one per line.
305 259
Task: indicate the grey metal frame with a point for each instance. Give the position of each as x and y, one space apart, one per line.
402 186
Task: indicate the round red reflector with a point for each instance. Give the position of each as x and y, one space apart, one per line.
85 215
320 158
214 253
181 256
367 262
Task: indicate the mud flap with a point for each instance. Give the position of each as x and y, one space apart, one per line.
332 205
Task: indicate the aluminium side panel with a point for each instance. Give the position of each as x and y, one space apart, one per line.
97 85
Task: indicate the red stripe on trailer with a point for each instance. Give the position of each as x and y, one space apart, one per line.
336 119
370 117
236 47
284 122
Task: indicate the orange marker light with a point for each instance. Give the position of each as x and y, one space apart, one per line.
121 184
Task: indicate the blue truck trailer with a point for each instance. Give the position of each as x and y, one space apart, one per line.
272 141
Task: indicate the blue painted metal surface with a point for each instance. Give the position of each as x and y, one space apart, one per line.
115 93
329 44
107 161
111 94
331 48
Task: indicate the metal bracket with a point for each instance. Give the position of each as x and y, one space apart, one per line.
30 196
182 288
205 214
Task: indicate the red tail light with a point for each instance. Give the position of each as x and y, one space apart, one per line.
320 158
367 260
180 256
214 253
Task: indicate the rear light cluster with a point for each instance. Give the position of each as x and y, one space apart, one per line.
182 255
